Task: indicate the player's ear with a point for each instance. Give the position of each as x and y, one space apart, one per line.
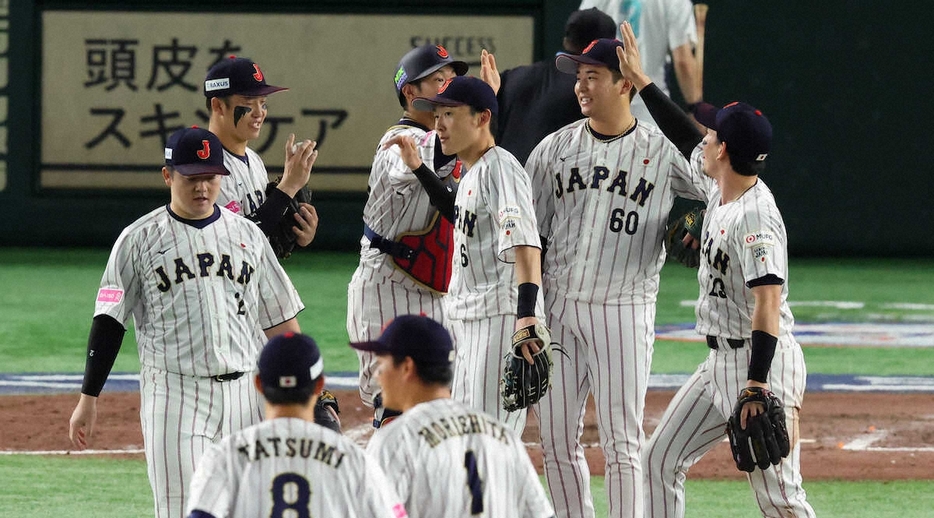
485 117
408 91
258 384
167 176
319 385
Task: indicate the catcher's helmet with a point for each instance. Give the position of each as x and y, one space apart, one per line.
423 61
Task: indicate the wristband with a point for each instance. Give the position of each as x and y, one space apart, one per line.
763 350
528 294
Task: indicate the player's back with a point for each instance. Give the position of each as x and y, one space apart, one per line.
449 460
290 465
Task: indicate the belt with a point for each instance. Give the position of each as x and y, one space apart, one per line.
714 342
387 246
230 376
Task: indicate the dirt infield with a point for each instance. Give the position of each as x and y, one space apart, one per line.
886 436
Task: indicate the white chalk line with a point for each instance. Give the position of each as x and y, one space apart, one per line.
865 443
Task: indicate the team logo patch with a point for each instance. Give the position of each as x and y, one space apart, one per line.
442 52
398 510
509 225
761 252
233 206
509 212
168 153
759 238
109 295
217 84
205 152
259 73
287 381
592 43
401 77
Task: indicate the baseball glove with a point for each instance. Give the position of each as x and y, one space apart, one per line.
765 439
522 383
327 410
689 223
283 239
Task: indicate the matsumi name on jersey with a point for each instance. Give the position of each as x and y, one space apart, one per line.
576 182
455 426
205 267
291 447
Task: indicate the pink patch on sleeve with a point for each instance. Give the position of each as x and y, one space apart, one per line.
108 295
233 206
399 511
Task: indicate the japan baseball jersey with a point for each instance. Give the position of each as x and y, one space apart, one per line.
659 26
245 189
493 215
743 245
397 204
200 294
449 460
602 202
289 467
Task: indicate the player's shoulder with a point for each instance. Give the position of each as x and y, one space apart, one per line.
417 132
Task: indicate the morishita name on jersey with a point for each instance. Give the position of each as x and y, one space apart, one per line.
292 447
205 267
456 426
576 182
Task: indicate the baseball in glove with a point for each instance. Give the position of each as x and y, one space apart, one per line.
327 410
283 238
691 223
523 383
765 440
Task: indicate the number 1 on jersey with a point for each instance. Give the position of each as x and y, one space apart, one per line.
474 483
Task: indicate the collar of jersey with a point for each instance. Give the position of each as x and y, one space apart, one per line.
197 223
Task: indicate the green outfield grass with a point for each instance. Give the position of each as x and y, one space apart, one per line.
48 300
103 488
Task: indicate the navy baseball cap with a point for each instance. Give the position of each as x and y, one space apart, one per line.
600 52
192 151
423 61
237 76
290 361
423 339
461 91
587 25
746 131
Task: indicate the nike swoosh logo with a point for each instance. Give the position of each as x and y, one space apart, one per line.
562 158
161 252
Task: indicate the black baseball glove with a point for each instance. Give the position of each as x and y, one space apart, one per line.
327 411
283 238
765 439
691 223
522 383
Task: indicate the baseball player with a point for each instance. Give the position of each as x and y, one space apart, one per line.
205 291
663 28
445 458
288 465
496 276
742 306
236 93
603 189
405 256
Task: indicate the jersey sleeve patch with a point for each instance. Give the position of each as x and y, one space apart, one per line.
759 238
109 295
509 213
233 206
398 511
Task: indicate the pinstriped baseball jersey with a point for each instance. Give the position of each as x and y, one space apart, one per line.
743 240
378 290
603 207
289 467
493 214
397 203
449 460
200 293
245 189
